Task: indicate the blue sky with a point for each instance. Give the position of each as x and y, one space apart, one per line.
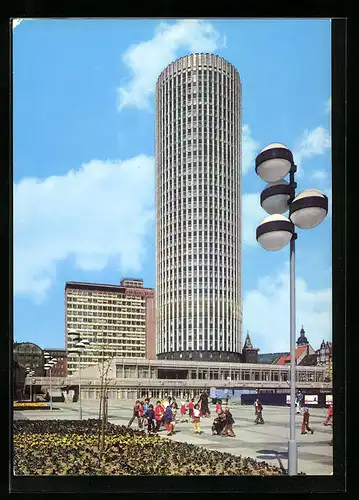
84 170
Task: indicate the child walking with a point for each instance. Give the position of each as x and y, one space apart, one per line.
196 420
190 407
183 412
305 423
219 407
151 417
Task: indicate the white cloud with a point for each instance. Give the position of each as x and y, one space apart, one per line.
266 313
320 175
16 22
147 59
328 106
313 142
100 212
249 149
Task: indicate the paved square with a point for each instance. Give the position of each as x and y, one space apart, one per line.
262 442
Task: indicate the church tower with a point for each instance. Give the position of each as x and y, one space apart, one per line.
302 339
250 354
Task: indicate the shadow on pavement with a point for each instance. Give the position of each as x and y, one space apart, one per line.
272 455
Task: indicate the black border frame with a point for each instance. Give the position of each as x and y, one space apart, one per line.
173 485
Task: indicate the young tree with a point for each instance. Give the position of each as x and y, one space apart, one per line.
103 407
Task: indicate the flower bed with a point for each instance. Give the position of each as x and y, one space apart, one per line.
70 447
22 406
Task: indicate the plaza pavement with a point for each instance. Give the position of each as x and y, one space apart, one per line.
262 442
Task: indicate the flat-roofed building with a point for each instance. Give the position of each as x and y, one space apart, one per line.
117 320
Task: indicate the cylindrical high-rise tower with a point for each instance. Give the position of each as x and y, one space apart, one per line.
198 210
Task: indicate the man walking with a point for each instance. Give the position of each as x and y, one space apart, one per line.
258 410
305 423
136 408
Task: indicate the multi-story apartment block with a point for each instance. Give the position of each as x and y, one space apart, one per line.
117 320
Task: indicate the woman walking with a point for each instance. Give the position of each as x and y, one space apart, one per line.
167 419
229 421
330 415
159 411
203 402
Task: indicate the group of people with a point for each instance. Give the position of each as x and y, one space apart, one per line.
165 413
222 424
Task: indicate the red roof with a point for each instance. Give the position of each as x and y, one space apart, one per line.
286 359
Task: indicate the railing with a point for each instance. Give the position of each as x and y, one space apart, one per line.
175 383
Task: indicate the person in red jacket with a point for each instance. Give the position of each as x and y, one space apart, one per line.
136 409
190 407
219 407
159 412
183 413
330 415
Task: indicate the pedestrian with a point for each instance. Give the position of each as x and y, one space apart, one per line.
203 402
258 410
219 408
229 421
159 411
135 413
174 408
183 412
146 406
196 419
141 414
219 423
305 423
167 420
151 417
169 399
330 415
299 401
190 407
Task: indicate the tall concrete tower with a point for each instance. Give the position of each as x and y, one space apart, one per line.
198 210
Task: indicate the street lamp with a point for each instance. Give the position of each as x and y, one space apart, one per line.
80 346
30 374
306 210
50 363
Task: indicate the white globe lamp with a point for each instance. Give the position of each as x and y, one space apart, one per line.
275 232
274 162
308 209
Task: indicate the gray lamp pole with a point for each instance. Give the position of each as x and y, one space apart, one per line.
51 362
306 211
30 373
80 345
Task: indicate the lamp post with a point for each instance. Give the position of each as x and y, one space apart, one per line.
30 374
51 362
306 210
80 345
